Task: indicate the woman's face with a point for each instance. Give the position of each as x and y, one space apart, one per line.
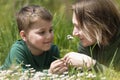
77 32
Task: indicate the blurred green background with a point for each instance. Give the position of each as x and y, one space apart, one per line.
62 22
61 11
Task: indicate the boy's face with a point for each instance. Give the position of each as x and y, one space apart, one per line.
40 37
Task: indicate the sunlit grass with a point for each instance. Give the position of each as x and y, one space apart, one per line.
62 27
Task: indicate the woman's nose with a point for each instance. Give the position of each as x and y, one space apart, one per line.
75 31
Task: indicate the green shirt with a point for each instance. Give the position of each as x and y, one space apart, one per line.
104 55
20 53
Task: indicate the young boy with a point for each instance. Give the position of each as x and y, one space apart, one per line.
35 48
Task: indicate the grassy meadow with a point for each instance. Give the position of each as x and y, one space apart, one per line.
8 29
62 26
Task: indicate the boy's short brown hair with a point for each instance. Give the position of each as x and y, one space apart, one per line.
30 14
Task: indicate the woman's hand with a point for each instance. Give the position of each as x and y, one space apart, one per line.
78 60
58 67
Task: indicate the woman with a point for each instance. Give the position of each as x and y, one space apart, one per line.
97 24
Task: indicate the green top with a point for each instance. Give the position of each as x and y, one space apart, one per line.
104 55
20 53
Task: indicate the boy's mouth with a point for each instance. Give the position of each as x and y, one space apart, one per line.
48 43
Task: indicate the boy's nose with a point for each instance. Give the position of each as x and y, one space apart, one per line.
49 35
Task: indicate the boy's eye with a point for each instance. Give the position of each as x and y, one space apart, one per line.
51 30
41 33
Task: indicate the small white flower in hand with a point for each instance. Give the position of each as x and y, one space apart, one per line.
69 37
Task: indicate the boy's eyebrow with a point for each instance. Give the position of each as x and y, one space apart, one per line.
52 26
42 28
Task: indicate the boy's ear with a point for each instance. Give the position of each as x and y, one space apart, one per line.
23 35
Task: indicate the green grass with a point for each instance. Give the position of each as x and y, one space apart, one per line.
8 28
8 35
62 27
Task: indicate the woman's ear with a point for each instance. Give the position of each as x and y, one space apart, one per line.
23 35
